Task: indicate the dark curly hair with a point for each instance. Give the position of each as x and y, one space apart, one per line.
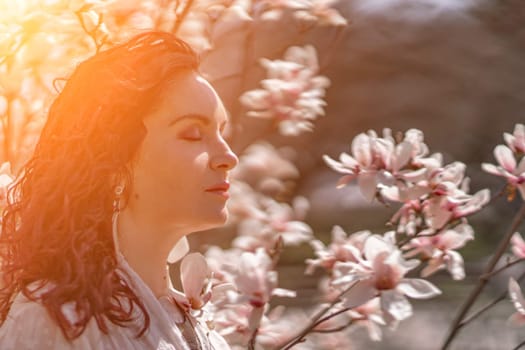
56 228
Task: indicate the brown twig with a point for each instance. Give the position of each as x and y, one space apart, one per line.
518 218
506 266
519 345
489 305
315 321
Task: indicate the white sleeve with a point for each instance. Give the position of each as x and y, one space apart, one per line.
28 326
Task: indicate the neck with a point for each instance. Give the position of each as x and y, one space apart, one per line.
145 243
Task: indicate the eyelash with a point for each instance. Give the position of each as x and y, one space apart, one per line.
189 134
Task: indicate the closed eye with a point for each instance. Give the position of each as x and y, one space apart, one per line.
192 133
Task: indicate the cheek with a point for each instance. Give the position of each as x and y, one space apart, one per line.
172 167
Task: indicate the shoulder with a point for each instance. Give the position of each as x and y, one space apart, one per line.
29 326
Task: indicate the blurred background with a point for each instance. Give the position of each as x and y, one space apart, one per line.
455 70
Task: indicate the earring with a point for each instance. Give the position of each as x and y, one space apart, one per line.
114 219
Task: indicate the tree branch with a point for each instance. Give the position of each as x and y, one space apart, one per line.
518 218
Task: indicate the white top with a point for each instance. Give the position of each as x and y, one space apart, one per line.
28 326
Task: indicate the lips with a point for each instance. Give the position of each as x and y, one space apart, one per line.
220 188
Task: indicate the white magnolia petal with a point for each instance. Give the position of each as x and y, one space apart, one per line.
281 292
335 165
417 288
375 245
395 305
374 331
516 296
505 157
194 272
455 265
359 294
403 153
180 249
361 149
368 185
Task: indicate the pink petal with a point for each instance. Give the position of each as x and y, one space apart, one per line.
180 249
403 154
516 296
361 149
368 185
491 169
194 273
417 288
395 305
337 166
374 246
360 293
505 158
455 265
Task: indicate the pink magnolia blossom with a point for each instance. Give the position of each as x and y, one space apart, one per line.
516 296
274 221
321 11
196 283
266 168
381 273
256 280
273 10
342 247
508 166
292 94
440 250
369 315
382 166
516 140
518 246
440 210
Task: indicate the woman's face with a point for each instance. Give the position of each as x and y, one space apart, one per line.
180 173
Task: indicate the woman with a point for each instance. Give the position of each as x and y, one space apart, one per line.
131 160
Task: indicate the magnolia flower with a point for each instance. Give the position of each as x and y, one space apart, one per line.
232 323
272 222
342 247
321 11
516 296
381 164
255 279
292 94
272 10
381 272
518 246
439 212
196 283
369 315
265 168
508 166
516 141
440 250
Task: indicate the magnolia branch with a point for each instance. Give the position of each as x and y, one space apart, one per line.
317 319
520 215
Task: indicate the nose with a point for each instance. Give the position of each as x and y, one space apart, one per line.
225 158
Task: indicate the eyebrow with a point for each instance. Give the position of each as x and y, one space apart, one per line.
199 117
